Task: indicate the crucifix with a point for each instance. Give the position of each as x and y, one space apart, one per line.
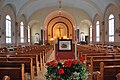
60 28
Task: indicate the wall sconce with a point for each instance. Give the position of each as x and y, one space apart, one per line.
103 23
0 31
118 31
119 16
1 34
16 23
100 32
106 32
13 33
0 17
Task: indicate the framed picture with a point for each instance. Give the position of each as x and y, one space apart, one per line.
64 45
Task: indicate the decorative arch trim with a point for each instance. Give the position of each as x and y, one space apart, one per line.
58 17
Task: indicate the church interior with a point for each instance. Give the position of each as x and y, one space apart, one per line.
34 32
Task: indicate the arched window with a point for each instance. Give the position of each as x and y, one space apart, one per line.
111 28
91 33
8 29
29 34
21 32
97 31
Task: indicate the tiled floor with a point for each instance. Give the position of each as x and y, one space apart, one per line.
43 71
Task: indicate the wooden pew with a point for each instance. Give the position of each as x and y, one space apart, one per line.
42 53
90 75
96 49
88 58
90 49
95 64
16 63
109 72
15 73
22 57
32 54
101 57
27 56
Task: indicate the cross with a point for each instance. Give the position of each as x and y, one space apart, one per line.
60 30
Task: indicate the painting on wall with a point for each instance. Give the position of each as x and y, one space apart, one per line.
64 45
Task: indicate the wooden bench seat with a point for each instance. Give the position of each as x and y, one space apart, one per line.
109 71
15 73
103 57
22 54
95 64
28 65
36 58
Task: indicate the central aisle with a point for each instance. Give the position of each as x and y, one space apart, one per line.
44 69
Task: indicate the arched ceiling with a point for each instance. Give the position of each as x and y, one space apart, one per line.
28 7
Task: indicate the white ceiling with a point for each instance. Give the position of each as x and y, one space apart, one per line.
28 7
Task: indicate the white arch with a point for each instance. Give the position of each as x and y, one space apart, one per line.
32 22
64 13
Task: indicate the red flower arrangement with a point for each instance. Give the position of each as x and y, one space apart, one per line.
68 70
61 71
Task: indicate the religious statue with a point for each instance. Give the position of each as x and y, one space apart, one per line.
37 39
60 28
